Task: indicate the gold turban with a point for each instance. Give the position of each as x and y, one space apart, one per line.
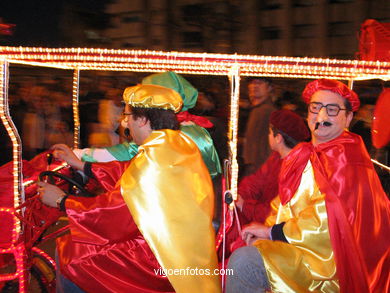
153 96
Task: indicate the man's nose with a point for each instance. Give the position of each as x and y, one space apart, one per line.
322 114
124 122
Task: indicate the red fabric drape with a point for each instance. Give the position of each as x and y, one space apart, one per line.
199 120
358 208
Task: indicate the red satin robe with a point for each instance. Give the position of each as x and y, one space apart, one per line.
357 207
257 190
104 235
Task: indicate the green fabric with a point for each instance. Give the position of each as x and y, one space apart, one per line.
88 157
124 151
174 81
203 140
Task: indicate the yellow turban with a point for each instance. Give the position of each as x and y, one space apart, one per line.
153 96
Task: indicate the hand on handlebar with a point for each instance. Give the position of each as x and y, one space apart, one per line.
63 152
49 193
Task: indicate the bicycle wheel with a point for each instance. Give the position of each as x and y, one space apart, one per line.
42 278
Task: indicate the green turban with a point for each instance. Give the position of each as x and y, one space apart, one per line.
171 80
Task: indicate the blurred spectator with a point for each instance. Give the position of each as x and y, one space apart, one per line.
33 129
89 109
362 123
110 109
60 122
292 101
256 149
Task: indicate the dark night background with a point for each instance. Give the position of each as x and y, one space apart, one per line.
41 22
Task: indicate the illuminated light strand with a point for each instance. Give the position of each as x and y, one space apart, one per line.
75 105
67 62
381 165
19 254
222 68
45 255
205 63
15 220
109 55
234 77
18 251
18 194
250 71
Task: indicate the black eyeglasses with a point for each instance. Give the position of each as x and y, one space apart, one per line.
127 114
331 109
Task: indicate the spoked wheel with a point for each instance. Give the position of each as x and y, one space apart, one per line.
42 278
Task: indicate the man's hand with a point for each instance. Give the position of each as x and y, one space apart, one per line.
255 231
49 193
63 152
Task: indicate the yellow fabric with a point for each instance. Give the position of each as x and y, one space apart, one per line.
306 263
271 218
153 96
169 192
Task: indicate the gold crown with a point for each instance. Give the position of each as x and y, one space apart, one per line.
153 96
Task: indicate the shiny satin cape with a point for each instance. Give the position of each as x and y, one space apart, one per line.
306 262
105 251
357 208
170 196
126 151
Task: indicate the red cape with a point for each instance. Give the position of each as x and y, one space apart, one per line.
358 208
105 251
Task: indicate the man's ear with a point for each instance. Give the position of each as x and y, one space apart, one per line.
349 118
279 138
142 121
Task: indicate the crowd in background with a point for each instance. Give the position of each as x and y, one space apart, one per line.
41 108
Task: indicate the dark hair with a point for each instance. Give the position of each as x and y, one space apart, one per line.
347 105
261 78
288 140
158 118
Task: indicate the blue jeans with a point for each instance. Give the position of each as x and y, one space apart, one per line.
249 275
64 285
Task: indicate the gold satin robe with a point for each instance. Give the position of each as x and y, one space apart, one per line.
169 193
306 263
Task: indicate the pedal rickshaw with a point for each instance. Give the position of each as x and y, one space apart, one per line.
23 218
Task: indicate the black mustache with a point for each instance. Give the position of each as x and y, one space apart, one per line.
326 123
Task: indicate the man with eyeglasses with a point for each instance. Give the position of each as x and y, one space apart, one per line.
330 231
150 229
193 126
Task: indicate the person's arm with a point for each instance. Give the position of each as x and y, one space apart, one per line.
263 184
254 210
50 194
107 174
120 152
94 155
91 219
255 231
63 152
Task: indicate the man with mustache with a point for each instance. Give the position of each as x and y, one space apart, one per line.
331 225
154 214
196 127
